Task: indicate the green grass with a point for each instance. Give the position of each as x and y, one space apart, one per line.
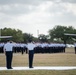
39 72
58 59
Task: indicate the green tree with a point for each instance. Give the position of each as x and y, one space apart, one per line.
43 38
57 33
17 35
27 37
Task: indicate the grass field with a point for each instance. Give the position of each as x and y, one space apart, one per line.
55 59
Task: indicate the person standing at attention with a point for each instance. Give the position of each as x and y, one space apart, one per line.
8 50
31 47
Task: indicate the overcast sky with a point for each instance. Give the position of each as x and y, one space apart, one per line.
33 15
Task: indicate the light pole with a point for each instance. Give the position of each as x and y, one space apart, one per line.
38 33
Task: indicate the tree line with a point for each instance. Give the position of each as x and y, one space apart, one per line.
55 34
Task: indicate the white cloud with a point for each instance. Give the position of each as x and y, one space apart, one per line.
70 8
69 1
30 16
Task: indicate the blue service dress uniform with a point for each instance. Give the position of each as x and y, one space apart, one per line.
8 49
31 47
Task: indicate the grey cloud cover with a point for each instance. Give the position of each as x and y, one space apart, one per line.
13 10
22 1
16 7
23 6
70 1
37 12
31 1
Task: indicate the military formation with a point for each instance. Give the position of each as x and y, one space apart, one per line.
75 47
39 47
30 48
1 47
49 48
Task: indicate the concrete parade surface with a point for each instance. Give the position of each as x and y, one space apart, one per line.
41 68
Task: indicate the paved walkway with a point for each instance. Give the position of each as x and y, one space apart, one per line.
41 68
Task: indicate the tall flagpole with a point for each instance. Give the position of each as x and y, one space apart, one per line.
38 33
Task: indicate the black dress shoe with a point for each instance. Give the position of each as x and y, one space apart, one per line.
10 68
31 67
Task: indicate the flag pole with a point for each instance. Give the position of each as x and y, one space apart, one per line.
38 33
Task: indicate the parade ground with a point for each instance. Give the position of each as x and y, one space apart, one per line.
44 64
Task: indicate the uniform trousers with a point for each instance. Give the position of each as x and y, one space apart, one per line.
75 50
31 55
9 55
